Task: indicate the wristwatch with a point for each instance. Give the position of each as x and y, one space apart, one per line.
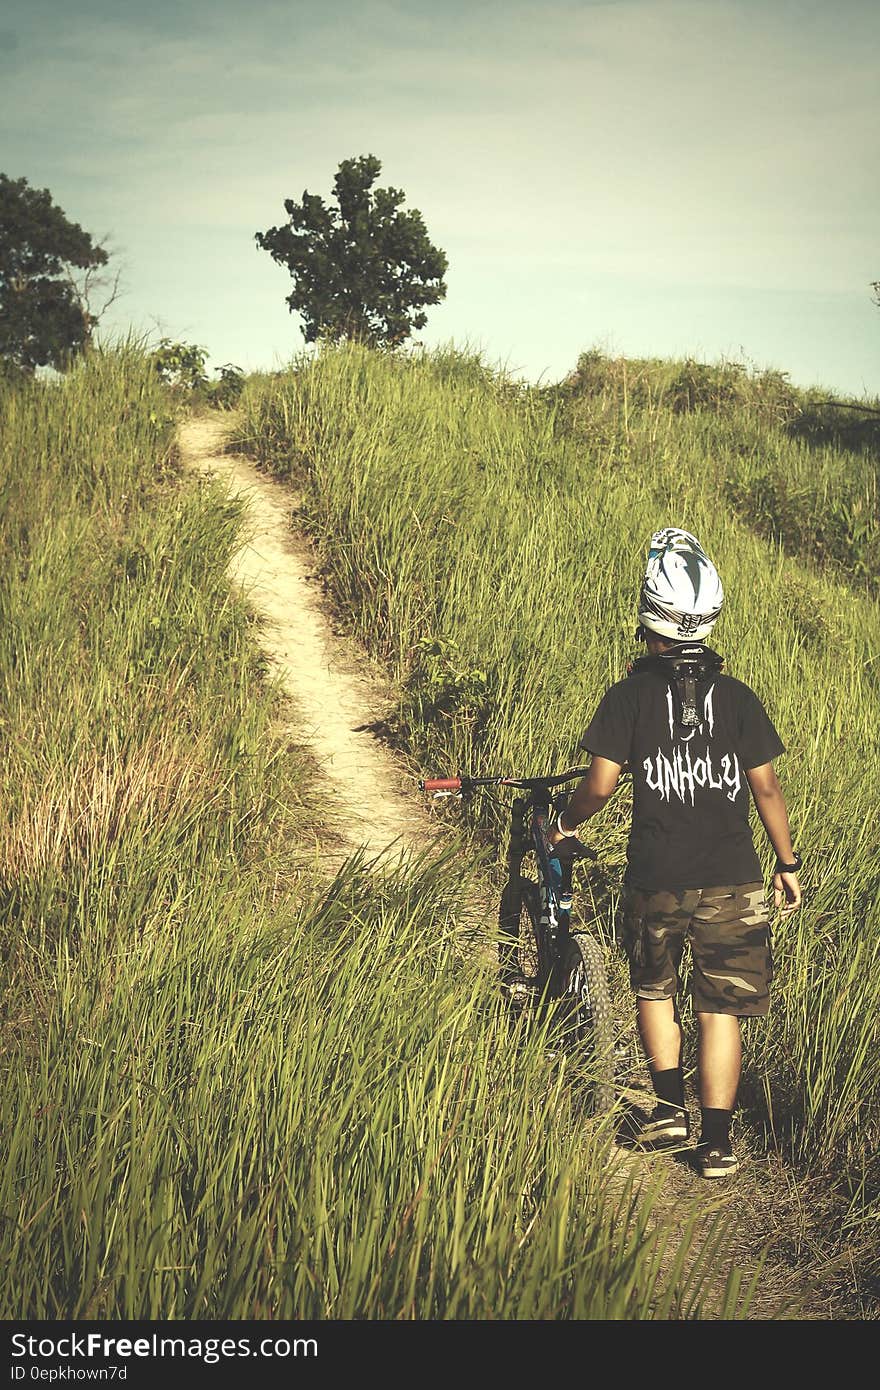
788 868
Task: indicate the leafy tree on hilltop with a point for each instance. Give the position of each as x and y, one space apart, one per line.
363 269
47 267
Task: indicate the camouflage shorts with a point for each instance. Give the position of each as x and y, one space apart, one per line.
729 933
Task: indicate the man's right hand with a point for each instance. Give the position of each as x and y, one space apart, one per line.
786 893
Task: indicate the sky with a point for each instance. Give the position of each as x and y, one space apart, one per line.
655 178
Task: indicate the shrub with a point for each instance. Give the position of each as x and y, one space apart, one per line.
181 365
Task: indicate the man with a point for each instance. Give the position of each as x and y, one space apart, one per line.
697 743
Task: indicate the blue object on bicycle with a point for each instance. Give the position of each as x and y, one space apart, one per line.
563 899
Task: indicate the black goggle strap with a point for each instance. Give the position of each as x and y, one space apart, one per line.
687 694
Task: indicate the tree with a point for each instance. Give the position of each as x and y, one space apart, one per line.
363 269
48 266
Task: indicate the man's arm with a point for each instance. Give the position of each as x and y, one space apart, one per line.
770 805
589 796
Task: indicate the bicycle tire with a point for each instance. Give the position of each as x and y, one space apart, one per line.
522 952
589 1015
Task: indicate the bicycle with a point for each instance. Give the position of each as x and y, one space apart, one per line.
541 960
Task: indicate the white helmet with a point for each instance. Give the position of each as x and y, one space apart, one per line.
681 595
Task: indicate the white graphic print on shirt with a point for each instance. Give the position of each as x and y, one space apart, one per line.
682 774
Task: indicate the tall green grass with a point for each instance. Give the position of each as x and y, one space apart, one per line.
488 542
797 468
229 1090
246 1127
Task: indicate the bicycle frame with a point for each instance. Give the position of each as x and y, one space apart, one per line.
529 823
565 969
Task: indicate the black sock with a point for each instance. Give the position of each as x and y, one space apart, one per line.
714 1127
669 1086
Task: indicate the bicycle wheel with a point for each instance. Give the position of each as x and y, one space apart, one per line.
589 1017
522 955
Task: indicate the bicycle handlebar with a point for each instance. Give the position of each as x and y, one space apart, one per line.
463 783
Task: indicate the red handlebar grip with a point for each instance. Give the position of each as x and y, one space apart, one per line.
441 784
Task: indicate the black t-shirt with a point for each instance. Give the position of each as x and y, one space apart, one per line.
691 800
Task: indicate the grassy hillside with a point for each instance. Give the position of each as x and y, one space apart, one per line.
229 1090
487 540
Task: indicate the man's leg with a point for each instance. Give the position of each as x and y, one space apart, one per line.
653 929
719 1060
660 1033
732 973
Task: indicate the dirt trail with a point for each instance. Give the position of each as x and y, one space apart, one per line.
336 696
